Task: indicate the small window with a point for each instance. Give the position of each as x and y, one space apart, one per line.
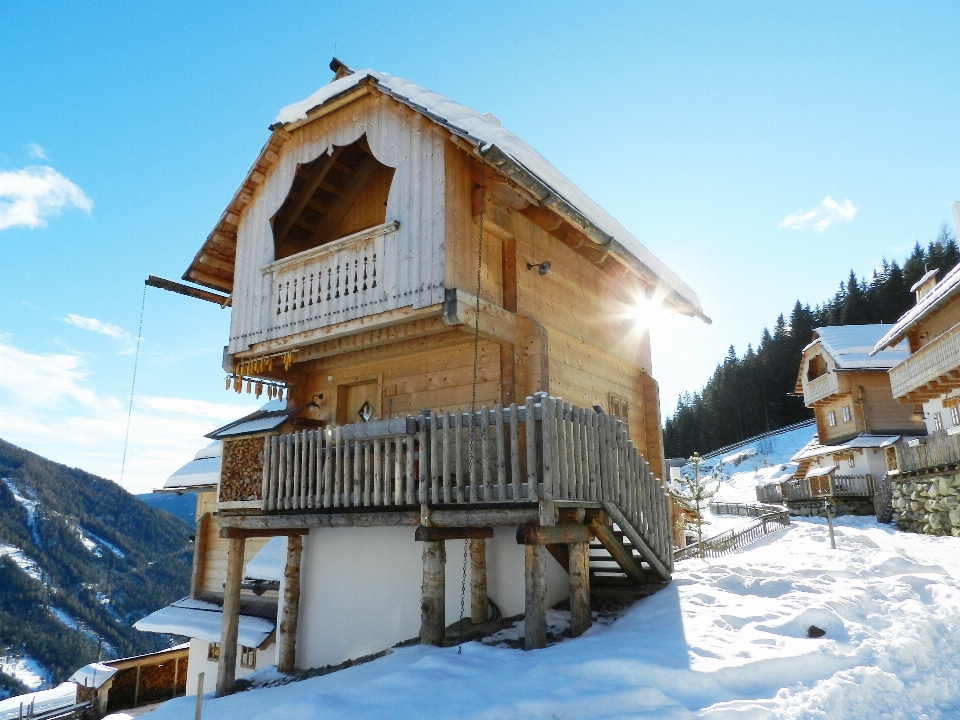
248 657
937 421
831 418
213 651
620 409
846 414
955 415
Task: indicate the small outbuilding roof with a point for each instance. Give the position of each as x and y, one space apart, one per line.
204 621
93 675
814 449
201 472
943 292
269 417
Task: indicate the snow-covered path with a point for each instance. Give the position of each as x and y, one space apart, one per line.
728 639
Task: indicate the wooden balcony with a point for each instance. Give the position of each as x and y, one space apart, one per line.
820 388
939 450
824 486
545 450
931 371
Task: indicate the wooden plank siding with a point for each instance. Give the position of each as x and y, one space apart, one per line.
413 262
214 568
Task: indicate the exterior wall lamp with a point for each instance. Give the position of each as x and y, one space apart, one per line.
542 268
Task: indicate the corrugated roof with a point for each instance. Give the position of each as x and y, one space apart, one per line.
852 346
944 291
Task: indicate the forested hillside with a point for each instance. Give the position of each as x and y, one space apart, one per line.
80 559
752 393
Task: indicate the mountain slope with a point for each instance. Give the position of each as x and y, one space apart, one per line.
182 506
80 559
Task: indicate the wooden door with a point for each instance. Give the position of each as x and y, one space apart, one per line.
356 400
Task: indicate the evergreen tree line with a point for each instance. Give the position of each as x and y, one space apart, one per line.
753 393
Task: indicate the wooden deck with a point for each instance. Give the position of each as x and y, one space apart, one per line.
929 372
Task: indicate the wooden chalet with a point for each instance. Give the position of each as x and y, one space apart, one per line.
926 471
858 421
393 259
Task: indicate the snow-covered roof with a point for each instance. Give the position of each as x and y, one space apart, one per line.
267 418
518 160
944 291
820 472
203 620
268 563
202 471
852 347
64 695
93 675
815 449
926 276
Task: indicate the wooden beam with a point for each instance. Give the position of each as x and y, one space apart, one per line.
579 569
435 534
234 532
622 556
181 289
535 597
560 554
433 594
287 637
472 516
199 554
227 665
310 187
531 534
479 602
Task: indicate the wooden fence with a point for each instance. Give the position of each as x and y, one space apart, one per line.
744 509
937 450
543 449
738 537
770 493
817 488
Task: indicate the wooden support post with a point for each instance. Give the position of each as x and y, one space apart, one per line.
227 666
535 600
198 707
478 581
287 640
433 593
579 569
136 688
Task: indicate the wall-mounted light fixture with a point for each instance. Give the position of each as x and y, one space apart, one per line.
542 268
314 405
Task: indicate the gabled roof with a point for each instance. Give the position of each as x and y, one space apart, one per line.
943 292
852 347
814 449
486 137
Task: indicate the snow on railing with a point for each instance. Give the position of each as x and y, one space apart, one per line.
936 450
544 449
930 363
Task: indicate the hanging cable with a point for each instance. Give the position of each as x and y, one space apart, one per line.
123 466
473 387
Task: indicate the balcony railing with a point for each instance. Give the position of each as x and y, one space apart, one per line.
937 450
820 388
817 488
931 363
545 449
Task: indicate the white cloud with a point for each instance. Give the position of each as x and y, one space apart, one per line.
97 326
36 152
30 195
48 405
821 217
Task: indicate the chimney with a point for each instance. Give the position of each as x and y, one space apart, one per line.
340 69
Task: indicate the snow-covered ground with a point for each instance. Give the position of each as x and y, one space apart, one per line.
25 669
758 462
21 560
727 639
29 505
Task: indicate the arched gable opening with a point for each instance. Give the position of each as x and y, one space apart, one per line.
340 193
816 368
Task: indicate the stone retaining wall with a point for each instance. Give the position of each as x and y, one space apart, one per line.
928 505
843 506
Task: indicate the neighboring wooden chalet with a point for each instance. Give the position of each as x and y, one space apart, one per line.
422 287
927 470
858 421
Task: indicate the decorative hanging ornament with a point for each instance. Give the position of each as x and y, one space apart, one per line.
258 389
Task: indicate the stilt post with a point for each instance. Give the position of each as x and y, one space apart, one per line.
535 607
478 581
579 569
433 593
227 666
287 645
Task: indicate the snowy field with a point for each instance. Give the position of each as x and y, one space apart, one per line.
726 640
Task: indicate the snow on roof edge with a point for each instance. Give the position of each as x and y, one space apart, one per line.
491 136
941 293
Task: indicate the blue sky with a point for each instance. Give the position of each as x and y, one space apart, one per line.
715 132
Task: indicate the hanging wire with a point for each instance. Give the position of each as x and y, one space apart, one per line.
111 568
473 387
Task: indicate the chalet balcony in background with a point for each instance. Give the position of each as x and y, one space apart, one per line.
821 387
931 371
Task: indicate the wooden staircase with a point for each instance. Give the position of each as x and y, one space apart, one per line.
605 571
